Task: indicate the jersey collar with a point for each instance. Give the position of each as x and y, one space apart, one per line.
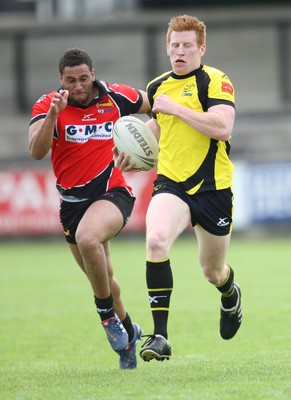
192 73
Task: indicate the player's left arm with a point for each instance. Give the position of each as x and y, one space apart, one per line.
217 118
217 122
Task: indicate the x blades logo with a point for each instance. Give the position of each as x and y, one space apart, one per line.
88 117
222 222
158 187
153 299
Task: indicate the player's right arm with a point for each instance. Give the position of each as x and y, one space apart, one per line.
41 132
145 107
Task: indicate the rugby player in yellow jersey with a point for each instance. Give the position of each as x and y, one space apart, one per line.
193 117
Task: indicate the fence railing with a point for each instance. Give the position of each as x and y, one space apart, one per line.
150 30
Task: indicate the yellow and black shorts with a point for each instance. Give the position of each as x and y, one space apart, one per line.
213 210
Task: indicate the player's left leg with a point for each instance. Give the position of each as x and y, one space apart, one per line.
212 251
116 333
114 284
127 357
101 221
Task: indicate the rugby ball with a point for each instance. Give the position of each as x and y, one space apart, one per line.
134 138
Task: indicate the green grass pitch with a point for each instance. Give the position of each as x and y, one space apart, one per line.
52 346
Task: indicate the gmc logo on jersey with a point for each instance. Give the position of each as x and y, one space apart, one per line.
83 133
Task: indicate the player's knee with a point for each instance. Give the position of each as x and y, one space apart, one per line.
157 243
87 245
212 275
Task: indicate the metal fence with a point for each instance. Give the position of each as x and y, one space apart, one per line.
253 49
263 45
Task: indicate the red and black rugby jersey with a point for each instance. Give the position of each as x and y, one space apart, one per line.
82 145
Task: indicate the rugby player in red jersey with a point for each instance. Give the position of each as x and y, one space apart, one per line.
75 123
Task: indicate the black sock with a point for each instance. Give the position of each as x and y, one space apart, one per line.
228 294
104 307
160 285
128 327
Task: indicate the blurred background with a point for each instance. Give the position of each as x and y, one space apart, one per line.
249 40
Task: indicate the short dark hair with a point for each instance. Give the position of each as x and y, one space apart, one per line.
73 57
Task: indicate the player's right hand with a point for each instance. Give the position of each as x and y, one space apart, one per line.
59 101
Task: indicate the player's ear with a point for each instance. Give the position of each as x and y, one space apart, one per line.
93 74
202 49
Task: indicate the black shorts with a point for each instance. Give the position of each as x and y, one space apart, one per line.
71 213
212 210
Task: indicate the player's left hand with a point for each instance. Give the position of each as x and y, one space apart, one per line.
122 161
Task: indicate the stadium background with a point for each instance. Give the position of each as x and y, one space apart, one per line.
249 40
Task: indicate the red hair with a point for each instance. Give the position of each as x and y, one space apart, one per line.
187 23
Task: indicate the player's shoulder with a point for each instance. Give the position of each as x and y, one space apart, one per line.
215 73
220 86
41 106
121 91
46 97
159 79
119 88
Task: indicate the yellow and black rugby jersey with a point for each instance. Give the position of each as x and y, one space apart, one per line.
187 156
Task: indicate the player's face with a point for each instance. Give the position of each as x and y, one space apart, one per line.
78 81
185 55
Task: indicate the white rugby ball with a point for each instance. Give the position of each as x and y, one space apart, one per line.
134 138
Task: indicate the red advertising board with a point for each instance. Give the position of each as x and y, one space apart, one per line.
29 202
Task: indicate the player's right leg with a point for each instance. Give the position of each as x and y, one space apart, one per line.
167 217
